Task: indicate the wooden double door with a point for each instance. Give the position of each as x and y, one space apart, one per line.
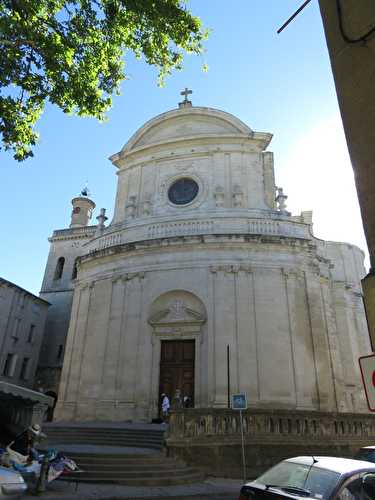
177 361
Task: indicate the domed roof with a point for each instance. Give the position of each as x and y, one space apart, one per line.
188 123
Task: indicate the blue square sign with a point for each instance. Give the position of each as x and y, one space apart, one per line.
239 401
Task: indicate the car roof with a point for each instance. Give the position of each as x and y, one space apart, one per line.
368 448
336 464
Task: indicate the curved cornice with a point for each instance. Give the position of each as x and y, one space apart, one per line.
176 241
241 131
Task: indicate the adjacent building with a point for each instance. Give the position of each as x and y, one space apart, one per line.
22 321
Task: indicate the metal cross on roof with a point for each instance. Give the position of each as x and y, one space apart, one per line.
185 93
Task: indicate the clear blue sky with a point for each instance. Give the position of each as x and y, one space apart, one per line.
276 83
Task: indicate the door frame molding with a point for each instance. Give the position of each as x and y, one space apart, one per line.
177 321
188 331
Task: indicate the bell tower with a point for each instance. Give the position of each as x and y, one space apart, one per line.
82 210
61 274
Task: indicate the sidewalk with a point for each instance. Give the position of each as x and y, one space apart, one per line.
210 489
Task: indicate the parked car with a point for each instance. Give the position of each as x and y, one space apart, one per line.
366 453
318 478
12 484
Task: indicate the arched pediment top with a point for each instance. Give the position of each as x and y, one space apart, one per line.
185 123
176 308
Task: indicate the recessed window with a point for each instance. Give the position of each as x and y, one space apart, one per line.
24 375
59 268
10 365
16 329
183 191
31 334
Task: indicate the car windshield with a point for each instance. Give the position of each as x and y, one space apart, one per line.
367 455
319 482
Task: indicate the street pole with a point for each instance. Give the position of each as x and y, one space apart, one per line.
243 449
228 375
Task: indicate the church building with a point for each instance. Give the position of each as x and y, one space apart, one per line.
201 268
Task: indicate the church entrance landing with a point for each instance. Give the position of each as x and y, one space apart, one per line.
177 360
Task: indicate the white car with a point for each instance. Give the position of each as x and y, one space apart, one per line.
314 478
12 484
366 453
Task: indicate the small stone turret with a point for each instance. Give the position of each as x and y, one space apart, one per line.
82 211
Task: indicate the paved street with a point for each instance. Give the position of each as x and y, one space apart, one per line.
210 489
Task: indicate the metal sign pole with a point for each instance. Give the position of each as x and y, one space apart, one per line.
243 449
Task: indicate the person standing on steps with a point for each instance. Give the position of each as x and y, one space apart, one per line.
165 405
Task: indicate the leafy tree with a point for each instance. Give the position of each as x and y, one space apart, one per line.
71 53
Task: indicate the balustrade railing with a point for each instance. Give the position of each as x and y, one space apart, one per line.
200 227
195 424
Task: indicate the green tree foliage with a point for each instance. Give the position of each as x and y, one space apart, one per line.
71 53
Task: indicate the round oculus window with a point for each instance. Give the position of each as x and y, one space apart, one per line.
183 191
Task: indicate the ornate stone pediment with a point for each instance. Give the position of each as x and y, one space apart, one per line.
177 312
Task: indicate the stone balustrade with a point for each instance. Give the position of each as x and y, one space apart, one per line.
197 424
118 234
211 438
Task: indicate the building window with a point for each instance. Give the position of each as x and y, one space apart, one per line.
16 328
10 365
75 270
24 375
59 268
60 351
183 191
31 334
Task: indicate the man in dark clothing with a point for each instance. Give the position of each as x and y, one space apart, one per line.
24 442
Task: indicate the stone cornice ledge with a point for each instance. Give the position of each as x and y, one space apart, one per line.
187 227
73 233
194 240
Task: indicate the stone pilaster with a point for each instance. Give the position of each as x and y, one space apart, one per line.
246 335
269 179
68 393
224 332
323 365
114 336
300 339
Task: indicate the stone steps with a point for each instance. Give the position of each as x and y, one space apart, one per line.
142 438
125 456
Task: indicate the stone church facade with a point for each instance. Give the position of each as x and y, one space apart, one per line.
201 258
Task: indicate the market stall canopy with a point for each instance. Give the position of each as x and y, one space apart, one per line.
16 392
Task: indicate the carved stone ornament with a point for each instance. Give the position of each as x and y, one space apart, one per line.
231 269
147 207
131 207
237 197
219 196
176 312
